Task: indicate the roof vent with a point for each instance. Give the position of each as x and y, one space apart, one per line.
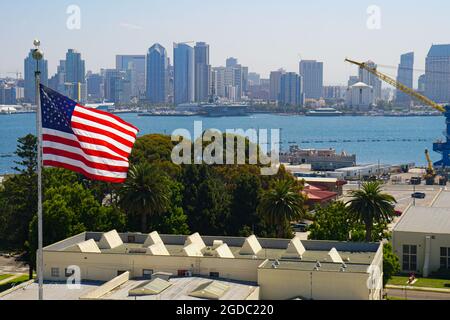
318 264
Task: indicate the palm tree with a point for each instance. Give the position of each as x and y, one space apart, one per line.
146 192
370 205
282 204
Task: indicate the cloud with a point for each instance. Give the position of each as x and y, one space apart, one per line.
130 26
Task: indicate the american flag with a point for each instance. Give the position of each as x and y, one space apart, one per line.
94 143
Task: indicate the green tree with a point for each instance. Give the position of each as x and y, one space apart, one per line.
281 204
370 205
27 152
391 264
331 223
146 192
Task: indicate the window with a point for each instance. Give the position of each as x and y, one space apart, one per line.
214 275
445 258
55 272
131 239
147 273
409 257
69 272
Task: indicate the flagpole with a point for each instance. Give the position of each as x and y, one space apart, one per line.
38 55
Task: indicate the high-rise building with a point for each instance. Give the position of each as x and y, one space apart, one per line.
184 73
75 78
117 86
254 79
95 85
157 79
312 73
275 84
202 72
30 82
371 80
7 94
291 90
218 81
136 65
437 73
231 62
352 80
405 76
421 84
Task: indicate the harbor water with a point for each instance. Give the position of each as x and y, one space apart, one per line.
388 140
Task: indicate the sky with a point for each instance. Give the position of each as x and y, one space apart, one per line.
264 35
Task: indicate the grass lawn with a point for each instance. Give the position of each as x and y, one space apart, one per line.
14 282
5 276
421 282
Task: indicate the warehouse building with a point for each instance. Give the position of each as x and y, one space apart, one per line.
202 267
421 238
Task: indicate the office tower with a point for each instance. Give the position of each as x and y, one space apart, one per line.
352 80
95 84
333 92
117 86
244 81
371 80
75 79
437 73
218 82
157 80
184 73
312 73
254 79
231 62
275 83
421 83
7 94
360 96
405 76
290 90
136 65
202 72
30 82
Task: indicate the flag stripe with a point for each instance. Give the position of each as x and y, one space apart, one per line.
80 164
56 164
91 131
106 118
100 112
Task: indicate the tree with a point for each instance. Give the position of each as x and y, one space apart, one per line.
282 204
27 152
146 192
331 223
391 264
370 205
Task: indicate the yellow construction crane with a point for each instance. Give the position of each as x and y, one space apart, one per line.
431 173
398 85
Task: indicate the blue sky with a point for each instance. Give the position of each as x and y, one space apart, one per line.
264 35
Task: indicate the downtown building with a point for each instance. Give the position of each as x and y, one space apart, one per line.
371 80
312 73
405 76
157 74
275 84
437 73
29 74
134 66
184 73
75 76
202 72
291 93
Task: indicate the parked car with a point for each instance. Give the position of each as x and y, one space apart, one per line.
419 195
300 227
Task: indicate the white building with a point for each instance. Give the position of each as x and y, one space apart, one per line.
360 96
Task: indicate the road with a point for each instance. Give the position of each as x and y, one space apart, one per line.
417 295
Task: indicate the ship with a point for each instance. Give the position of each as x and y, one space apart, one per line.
324 112
319 159
225 110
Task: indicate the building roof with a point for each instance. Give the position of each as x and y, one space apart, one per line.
361 84
443 200
439 50
319 195
425 220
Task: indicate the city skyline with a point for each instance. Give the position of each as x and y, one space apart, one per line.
133 27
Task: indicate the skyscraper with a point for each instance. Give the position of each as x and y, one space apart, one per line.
312 73
30 82
405 76
75 75
290 89
157 79
371 80
275 83
136 65
218 81
184 75
437 73
231 62
202 72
